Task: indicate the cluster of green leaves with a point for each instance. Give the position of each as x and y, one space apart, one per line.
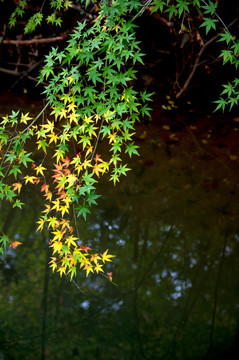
92 99
35 20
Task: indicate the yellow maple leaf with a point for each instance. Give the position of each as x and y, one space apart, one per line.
89 150
89 268
98 268
64 209
73 117
62 270
56 245
56 204
25 118
39 169
63 113
71 179
48 208
106 257
53 264
52 222
53 137
88 120
29 179
58 235
48 195
70 240
86 164
41 223
17 186
49 127
95 258
98 168
112 138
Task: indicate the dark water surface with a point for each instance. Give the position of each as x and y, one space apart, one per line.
172 224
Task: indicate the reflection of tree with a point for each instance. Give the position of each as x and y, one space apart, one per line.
176 271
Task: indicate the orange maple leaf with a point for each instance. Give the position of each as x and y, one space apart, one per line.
45 188
85 248
15 244
110 276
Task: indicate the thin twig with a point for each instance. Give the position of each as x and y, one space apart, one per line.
142 10
33 122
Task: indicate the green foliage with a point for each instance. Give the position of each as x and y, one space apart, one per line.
90 90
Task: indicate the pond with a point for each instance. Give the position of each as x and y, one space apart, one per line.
172 224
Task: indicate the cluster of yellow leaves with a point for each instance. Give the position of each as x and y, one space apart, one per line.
66 181
68 253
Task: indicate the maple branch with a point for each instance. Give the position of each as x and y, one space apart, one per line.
190 76
33 121
196 64
35 40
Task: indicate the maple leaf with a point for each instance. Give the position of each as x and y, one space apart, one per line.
40 169
71 106
48 195
88 267
89 150
53 137
98 158
106 257
64 224
53 264
63 113
85 248
110 275
105 167
17 186
45 188
30 179
97 169
71 179
41 223
25 118
56 204
88 120
57 245
86 164
66 162
48 208
15 244
58 234
62 270
112 138
42 144
98 268
49 126
70 240
52 222
72 271
73 117
64 209
95 257
37 180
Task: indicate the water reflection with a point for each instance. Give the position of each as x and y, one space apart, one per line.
173 225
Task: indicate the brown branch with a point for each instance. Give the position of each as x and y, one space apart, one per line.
11 72
196 64
187 82
35 40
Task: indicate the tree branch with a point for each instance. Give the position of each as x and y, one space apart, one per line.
35 40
